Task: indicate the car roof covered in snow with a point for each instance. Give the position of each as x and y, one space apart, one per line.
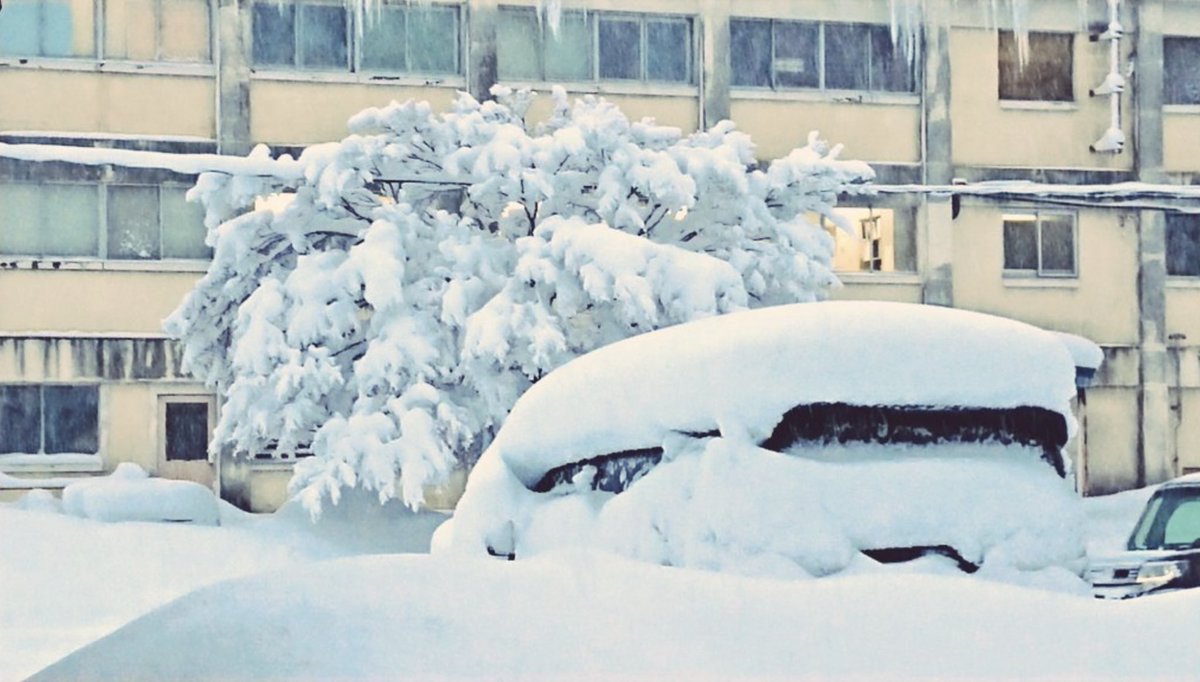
741 372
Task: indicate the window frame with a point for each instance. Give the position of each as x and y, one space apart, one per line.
593 19
41 390
103 225
822 61
102 36
1040 272
354 40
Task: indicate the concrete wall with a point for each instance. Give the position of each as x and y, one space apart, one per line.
97 300
1101 303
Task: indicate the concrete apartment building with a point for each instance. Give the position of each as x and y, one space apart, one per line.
93 257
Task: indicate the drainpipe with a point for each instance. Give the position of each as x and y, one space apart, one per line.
1113 140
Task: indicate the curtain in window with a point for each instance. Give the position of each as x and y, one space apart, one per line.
620 48
133 222
517 41
384 40
183 228
433 40
750 52
568 53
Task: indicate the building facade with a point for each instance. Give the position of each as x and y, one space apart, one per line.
930 92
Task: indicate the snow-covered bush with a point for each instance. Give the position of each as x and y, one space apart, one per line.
389 307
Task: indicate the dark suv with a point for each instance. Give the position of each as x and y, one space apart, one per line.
1163 551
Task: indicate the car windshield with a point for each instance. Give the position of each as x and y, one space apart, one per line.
1171 520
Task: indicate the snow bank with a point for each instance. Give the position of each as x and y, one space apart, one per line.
1084 352
741 372
580 616
129 494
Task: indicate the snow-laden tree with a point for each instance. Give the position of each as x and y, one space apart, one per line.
387 307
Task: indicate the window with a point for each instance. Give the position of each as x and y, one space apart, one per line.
835 56
879 240
138 222
1040 243
395 37
596 46
47 28
138 30
186 425
1181 75
157 30
1183 244
49 419
1044 75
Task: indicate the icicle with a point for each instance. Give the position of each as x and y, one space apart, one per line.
906 18
1020 27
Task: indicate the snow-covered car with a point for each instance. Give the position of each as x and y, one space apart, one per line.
794 440
1163 552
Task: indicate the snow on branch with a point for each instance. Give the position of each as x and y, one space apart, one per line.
384 300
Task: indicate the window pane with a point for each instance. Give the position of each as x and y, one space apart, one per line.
20 220
750 52
322 39
1058 244
796 47
185 31
183 228
130 27
19 28
433 39
846 65
1181 61
384 39
1183 245
568 53
1046 75
518 37
668 50
890 67
1020 243
274 34
66 29
70 220
72 419
133 222
187 431
20 419
620 49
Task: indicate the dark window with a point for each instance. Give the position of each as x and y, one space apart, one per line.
795 49
1040 243
791 54
1044 75
274 34
750 52
305 35
1181 64
1183 245
71 419
187 431
133 222
667 55
847 47
620 46
651 48
49 419
20 419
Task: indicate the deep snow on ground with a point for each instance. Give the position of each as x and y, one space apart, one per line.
581 615
73 581
65 581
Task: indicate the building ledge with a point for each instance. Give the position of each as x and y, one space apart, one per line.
195 70
1035 105
1176 282
347 77
827 96
879 278
51 464
1035 282
66 263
